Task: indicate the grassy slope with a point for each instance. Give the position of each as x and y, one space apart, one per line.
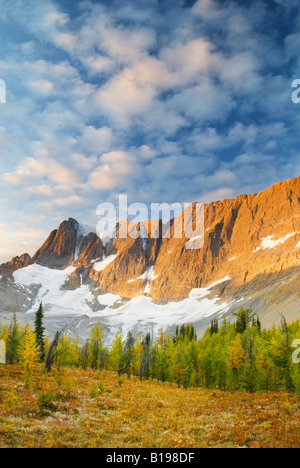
80 408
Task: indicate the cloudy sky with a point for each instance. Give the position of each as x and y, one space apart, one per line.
162 100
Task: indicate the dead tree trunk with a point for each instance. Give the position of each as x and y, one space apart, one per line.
52 352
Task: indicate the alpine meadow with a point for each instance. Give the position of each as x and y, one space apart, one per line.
149 227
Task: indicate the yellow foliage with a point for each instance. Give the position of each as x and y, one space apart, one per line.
137 415
236 354
29 351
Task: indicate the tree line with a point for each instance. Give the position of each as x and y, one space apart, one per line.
229 356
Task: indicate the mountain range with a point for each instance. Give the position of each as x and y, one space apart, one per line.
250 257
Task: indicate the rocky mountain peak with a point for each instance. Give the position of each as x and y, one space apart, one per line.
15 264
72 224
58 251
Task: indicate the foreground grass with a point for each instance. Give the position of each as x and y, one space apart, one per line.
81 408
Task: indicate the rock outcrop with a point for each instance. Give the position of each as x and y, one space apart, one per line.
16 263
58 252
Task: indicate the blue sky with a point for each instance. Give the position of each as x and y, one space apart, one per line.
165 101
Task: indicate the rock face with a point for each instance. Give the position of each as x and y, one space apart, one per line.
15 264
59 249
252 240
245 237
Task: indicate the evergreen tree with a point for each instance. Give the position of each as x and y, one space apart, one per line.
117 356
214 326
258 324
186 332
161 367
282 354
230 357
84 355
145 357
182 331
96 346
181 369
129 353
39 331
250 358
244 317
13 341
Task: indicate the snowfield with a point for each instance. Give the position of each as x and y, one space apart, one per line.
117 312
48 278
100 266
192 309
51 293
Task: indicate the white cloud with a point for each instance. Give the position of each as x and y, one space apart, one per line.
41 191
114 171
208 9
240 71
96 140
82 162
204 102
33 169
73 200
42 86
187 62
123 97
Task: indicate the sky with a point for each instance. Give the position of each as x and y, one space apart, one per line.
161 100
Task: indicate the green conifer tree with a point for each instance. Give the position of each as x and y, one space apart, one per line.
129 352
39 331
13 341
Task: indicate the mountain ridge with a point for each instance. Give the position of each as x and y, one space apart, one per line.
251 241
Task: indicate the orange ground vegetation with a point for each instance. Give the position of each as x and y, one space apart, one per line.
82 408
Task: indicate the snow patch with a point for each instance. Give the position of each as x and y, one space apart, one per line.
95 260
141 309
107 237
100 266
51 294
231 259
108 299
37 274
143 236
195 242
199 293
82 232
269 243
148 276
193 239
298 245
